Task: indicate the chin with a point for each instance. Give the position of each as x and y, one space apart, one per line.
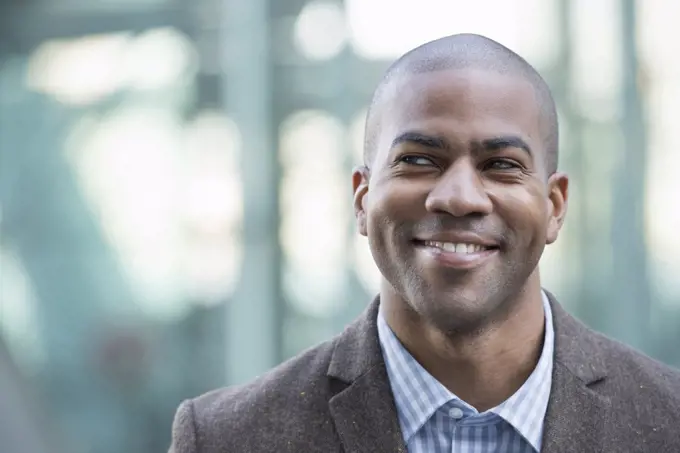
459 312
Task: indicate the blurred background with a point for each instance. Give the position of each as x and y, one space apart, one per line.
175 198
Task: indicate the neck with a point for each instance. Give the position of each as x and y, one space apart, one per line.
483 368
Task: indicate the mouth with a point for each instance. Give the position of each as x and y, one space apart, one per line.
460 255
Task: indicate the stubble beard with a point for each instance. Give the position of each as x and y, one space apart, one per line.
456 312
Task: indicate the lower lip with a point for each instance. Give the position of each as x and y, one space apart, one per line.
457 260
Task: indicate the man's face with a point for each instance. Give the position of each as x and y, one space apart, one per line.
457 204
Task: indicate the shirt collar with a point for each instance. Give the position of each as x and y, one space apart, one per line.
418 395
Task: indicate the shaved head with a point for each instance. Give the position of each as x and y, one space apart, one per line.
466 51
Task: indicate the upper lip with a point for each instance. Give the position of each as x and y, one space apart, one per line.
458 238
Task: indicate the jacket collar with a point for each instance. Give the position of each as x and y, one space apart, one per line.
364 411
365 414
578 416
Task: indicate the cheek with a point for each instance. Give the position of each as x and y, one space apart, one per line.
377 222
391 215
396 203
525 215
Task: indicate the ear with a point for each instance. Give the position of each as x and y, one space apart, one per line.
360 177
558 195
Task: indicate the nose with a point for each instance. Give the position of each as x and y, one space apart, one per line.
459 192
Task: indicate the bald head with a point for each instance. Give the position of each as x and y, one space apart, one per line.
466 51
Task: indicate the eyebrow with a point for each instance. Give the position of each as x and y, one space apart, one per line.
506 141
489 144
417 138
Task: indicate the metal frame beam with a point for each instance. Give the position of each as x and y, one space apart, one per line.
24 28
253 330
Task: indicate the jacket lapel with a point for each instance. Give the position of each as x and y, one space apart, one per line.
365 414
577 415
363 411
365 417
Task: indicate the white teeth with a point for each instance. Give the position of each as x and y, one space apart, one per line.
455 248
448 246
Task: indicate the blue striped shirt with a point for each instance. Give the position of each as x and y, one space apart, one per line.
434 420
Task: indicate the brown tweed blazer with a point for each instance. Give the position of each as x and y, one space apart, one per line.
336 398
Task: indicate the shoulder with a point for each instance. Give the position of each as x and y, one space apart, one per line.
641 395
616 369
644 394
266 411
286 409
292 379
633 372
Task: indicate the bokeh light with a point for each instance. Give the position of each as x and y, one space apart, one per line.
315 206
320 31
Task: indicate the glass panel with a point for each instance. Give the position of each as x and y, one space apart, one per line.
120 235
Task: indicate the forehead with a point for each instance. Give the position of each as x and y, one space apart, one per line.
462 104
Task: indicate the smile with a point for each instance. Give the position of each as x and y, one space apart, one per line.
456 247
459 255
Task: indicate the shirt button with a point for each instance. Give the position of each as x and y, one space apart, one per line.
456 413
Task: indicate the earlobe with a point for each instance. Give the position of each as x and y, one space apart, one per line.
558 195
360 177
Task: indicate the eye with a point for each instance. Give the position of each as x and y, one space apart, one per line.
416 160
501 164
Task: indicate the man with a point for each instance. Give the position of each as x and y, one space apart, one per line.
462 350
